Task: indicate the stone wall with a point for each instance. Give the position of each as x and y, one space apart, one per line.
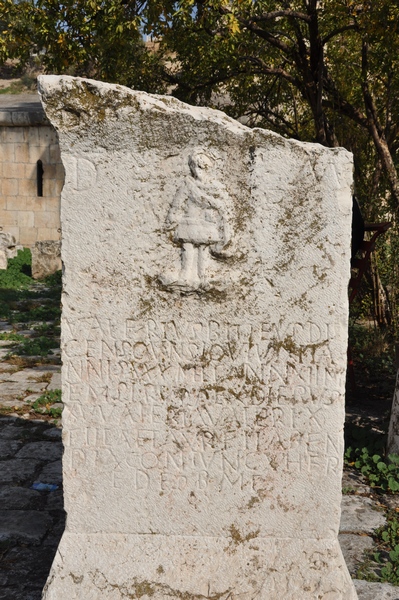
24 213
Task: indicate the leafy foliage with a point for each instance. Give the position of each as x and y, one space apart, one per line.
315 71
18 273
373 352
44 404
22 300
10 336
94 38
387 556
365 451
38 346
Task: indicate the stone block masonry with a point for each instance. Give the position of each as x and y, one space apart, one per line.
204 337
31 175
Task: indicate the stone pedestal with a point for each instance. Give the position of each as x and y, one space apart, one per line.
204 339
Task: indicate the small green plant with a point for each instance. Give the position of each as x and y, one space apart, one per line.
365 451
48 329
382 473
38 346
11 336
18 273
43 404
348 490
387 556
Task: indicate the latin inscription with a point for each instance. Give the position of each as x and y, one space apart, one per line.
201 405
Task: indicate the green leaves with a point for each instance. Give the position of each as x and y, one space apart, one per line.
44 404
95 38
366 452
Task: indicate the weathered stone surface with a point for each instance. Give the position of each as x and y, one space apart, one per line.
376 591
353 548
360 515
55 383
46 258
204 344
8 248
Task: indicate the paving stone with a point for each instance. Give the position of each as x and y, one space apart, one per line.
353 547
53 434
51 473
10 432
8 448
18 498
26 567
48 368
41 450
367 590
7 368
9 419
55 383
24 525
32 398
26 376
352 480
13 393
359 515
15 594
18 470
55 500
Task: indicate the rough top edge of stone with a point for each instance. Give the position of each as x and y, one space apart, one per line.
51 86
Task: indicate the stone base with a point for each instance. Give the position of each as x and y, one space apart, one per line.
155 567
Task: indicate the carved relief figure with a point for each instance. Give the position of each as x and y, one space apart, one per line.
199 224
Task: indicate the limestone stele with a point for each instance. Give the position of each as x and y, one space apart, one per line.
204 336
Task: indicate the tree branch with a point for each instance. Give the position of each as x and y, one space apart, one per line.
266 69
375 129
337 31
337 101
281 13
262 33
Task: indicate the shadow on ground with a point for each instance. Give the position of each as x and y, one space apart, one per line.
31 520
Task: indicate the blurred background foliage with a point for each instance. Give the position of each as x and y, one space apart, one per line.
324 71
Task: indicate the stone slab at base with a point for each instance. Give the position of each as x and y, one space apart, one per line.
368 590
154 567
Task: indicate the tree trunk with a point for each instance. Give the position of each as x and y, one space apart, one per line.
381 308
376 130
